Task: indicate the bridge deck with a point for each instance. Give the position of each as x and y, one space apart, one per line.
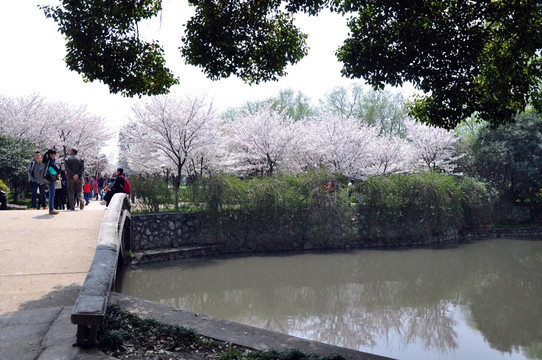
45 258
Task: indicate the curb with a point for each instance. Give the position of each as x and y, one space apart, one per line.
57 344
59 340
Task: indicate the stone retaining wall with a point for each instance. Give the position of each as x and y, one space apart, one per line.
163 231
170 236
183 230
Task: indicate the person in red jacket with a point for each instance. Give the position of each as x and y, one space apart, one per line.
87 190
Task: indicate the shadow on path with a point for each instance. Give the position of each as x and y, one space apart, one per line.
22 333
60 296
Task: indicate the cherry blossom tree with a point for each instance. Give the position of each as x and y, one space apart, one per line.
341 145
338 144
23 117
74 127
390 154
205 159
171 132
260 143
432 147
186 137
54 125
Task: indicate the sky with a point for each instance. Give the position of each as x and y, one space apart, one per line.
32 52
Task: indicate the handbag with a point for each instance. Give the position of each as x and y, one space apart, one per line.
49 174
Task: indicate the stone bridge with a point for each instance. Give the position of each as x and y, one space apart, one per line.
44 260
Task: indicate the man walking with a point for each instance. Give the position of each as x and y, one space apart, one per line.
35 176
75 168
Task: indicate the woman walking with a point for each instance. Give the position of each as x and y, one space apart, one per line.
51 175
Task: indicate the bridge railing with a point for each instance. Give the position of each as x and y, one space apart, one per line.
113 245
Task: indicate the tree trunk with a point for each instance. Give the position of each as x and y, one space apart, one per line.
176 185
15 194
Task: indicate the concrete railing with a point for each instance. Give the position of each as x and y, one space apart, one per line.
113 245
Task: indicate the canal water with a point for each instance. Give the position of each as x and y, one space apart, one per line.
478 301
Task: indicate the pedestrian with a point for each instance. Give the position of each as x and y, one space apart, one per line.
87 190
95 187
35 177
3 200
60 190
64 182
75 167
349 188
101 185
117 187
51 175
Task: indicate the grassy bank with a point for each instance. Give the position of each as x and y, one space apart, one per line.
315 206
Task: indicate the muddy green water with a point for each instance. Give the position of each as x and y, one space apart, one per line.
477 301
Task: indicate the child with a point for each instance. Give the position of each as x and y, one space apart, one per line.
87 190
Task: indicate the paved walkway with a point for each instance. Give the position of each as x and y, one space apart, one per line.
44 260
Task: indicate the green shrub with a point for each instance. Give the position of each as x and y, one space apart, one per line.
3 186
409 206
275 205
299 208
278 208
218 192
328 213
478 201
292 354
152 192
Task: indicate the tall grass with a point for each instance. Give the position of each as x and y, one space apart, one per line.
283 208
407 206
299 211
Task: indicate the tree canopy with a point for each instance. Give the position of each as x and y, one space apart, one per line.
102 43
296 106
54 125
510 157
469 57
182 137
15 156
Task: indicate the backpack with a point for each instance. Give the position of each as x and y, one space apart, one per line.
127 187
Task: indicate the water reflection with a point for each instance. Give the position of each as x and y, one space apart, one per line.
483 298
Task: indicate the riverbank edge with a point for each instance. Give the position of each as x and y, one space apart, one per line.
454 239
232 332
